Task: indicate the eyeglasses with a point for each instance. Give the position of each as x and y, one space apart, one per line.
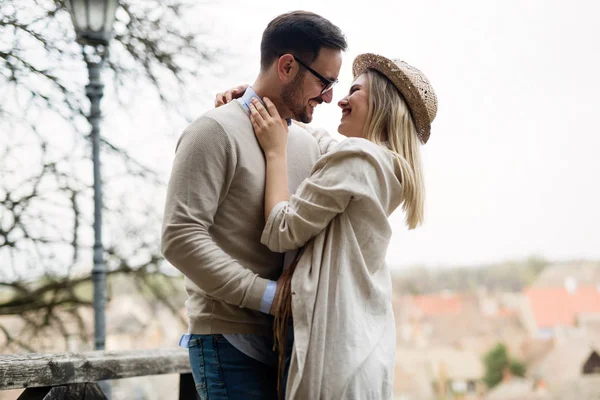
328 83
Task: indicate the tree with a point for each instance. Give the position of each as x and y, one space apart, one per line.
497 362
45 178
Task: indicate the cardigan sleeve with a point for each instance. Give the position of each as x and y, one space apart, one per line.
336 179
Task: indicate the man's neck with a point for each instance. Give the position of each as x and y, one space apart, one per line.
263 88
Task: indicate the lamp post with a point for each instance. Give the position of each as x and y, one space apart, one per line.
93 21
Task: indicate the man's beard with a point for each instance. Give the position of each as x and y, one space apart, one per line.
292 95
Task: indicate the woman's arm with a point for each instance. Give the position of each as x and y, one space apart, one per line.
272 134
276 185
343 175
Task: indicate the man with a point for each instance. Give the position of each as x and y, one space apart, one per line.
214 213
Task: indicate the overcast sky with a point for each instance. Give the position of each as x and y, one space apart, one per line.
511 167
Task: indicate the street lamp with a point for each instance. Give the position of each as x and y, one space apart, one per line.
93 21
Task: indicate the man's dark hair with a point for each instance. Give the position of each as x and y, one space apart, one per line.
300 33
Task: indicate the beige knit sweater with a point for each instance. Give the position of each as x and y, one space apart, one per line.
214 216
344 330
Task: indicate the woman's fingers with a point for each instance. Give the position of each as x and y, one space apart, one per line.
257 120
234 93
261 109
254 123
238 91
254 113
219 99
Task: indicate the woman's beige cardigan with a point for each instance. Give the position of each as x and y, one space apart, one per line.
344 330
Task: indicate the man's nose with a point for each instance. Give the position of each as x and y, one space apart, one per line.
327 96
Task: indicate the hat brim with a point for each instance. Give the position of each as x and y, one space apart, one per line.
401 81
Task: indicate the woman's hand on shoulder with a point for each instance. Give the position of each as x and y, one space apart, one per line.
230 94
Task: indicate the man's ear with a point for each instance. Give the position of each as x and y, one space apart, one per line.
286 68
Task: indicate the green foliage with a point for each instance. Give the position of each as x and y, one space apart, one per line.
517 368
496 361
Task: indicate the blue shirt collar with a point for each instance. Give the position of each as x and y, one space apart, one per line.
246 99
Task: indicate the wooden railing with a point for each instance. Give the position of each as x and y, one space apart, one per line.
75 376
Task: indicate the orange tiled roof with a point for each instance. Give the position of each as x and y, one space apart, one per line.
555 306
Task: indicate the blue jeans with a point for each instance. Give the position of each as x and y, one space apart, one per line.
222 372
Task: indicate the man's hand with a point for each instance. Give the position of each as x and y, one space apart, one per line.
230 94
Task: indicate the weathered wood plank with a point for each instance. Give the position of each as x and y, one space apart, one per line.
38 370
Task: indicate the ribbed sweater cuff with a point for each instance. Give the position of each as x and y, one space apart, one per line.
255 293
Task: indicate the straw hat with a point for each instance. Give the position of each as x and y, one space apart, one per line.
412 84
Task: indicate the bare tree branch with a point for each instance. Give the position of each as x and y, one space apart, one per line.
45 192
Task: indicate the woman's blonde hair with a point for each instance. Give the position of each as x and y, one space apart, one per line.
389 120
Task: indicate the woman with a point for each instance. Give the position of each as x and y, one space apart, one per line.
344 329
